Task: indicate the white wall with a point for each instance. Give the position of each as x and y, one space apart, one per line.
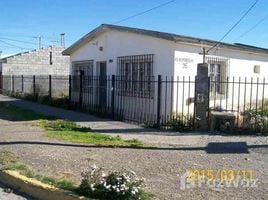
241 66
169 60
117 44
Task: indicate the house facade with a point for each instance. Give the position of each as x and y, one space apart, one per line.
138 56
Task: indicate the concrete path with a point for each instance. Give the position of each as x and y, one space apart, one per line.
107 126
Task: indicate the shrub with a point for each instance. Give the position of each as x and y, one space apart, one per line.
257 121
114 186
182 123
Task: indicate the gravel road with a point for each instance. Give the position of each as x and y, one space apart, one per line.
162 168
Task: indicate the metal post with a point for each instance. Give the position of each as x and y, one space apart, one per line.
22 84
34 92
70 89
50 86
12 84
81 89
112 95
159 95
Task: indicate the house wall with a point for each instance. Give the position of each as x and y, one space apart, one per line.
117 44
169 61
241 68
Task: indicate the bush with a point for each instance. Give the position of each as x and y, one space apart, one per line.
182 123
257 121
114 186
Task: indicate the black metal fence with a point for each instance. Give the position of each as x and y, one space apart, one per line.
166 102
36 86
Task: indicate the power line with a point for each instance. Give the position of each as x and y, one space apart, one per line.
253 27
143 12
14 40
12 45
227 33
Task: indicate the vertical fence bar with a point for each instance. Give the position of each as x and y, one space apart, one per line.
238 103
245 100
70 89
34 89
49 87
12 84
22 84
80 90
256 109
112 96
159 96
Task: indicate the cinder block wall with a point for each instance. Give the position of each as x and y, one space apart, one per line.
38 63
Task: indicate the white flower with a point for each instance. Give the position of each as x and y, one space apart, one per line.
94 166
132 172
103 175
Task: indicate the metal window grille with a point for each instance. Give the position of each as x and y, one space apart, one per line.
136 75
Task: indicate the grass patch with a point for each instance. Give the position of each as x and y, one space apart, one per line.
71 132
8 161
66 130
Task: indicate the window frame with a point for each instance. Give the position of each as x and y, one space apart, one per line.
218 76
87 75
136 75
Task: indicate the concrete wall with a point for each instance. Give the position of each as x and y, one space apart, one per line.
37 63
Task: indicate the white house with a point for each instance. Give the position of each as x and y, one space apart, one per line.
137 55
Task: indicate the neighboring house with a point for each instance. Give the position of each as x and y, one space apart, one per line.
39 63
137 55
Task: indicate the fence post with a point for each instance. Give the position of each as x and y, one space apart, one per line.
202 97
22 84
70 89
50 87
159 97
112 96
81 89
34 92
12 84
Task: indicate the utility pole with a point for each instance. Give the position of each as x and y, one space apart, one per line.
62 39
39 41
0 54
204 55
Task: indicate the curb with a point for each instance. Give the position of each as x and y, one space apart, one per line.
35 188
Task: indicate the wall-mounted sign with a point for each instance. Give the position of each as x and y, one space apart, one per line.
184 61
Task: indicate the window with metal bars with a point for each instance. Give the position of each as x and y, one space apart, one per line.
136 75
85 68
218 73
